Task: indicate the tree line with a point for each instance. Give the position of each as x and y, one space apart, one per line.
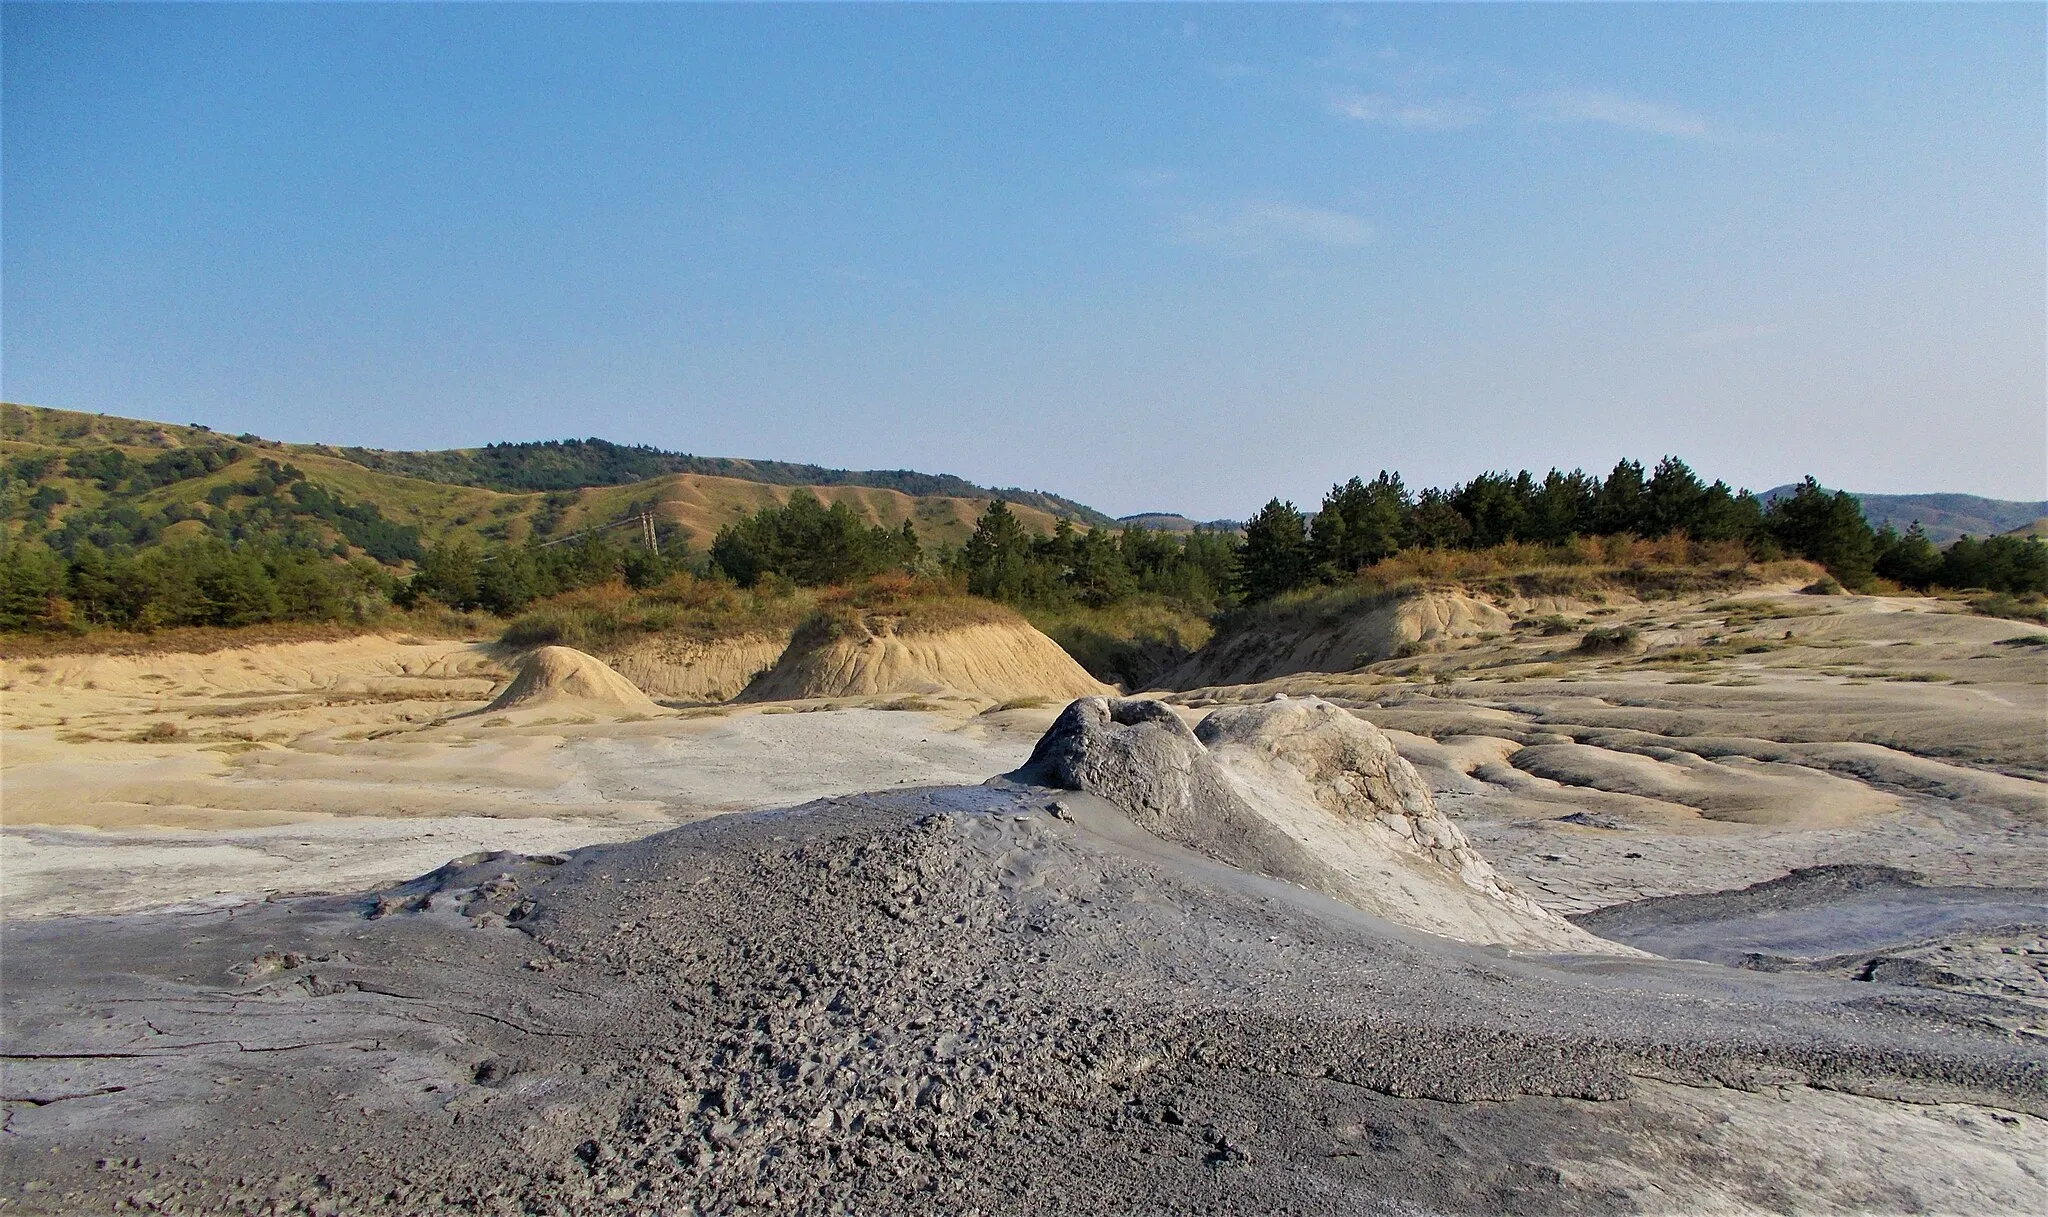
1360 523
804 543
266 548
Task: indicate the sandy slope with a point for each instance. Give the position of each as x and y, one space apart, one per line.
876 655
693 670
1351 641
324 766
565 679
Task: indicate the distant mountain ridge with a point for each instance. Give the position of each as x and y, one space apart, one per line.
1168 521
574 464
1944 517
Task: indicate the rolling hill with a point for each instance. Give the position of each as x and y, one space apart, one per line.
577 463
114 480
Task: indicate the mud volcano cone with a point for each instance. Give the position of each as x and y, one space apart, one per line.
567 677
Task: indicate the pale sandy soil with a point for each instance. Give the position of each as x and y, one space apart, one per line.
1722 752
1883 730
332 766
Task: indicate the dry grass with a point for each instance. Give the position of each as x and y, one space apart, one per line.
428 620
912 604
2013 608
612 614
1131 643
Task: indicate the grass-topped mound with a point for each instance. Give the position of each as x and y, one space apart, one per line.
1429 600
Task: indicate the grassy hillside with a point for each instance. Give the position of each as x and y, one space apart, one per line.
176 480
570 464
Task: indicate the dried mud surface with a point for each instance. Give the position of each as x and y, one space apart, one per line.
961 999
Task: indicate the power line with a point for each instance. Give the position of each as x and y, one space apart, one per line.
644 518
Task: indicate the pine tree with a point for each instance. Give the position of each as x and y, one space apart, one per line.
1672 500
1619 507
998 555
1827 528
1276 557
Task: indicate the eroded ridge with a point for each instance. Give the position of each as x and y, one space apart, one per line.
1300 790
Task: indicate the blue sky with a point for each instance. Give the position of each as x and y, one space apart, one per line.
1153 257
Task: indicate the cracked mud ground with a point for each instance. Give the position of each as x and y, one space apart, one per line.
960 999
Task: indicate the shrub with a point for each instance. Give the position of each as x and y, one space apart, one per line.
543 627
1130 644
1609 640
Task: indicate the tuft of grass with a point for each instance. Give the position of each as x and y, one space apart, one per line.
1920 677
233 747
1681 655
158 733
2012 608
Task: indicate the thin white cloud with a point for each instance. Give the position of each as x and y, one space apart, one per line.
1378 109
1615 110
1264 223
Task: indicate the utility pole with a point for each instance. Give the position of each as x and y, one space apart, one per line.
647 527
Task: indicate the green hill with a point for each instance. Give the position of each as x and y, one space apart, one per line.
576 463
68 478
127 523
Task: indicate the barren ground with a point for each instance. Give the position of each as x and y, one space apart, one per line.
716 1012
